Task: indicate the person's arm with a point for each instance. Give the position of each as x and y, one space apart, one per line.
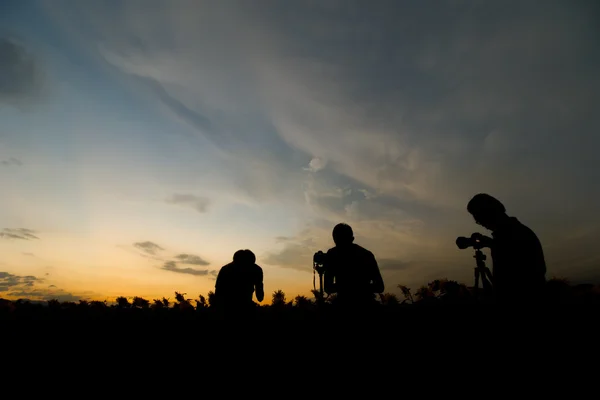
329 276
376 278
486 241
219 283
259 285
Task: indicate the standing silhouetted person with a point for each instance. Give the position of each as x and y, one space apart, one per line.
519 267
238 281
351 270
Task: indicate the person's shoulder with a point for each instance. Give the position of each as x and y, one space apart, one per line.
226 267
523 230
363 251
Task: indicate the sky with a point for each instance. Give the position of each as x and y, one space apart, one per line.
143 142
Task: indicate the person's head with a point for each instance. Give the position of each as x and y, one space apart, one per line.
244 257
487 211
343 235
250 257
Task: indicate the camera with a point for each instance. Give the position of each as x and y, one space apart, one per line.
319 258
464 242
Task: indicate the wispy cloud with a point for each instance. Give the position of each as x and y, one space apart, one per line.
9 281
172 266
11 161
148 247
18 233
191 259
197 203
21 74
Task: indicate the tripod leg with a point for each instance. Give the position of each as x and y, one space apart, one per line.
476 279
321 284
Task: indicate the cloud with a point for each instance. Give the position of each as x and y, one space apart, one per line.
297 253
394 265
18 233
148 247
191 259
28 287
403 110
9 281
20 72
45 295
172 266
29 254
316 164
11 161
198 203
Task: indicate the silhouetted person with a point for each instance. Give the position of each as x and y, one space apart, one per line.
351 270
519 267
238 281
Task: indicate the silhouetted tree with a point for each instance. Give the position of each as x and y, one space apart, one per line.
389 299
302 302
182 302
278 298
166 302
98 305
424 293
158 305
122 302
139 302
211 298
83 304
54 304
201 303
406 293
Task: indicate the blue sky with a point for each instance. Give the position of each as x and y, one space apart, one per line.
204 127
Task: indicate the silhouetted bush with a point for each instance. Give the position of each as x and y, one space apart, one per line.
438 292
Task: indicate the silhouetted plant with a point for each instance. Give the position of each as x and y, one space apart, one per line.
302 302
389 299
424 293
166 302
54 304
278 298
331 299
211 298
445 291
182 302
139 302
201 303
406 293
158 305
98 305
122 302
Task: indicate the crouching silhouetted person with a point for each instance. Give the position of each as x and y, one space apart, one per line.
351 271
238 281
519 268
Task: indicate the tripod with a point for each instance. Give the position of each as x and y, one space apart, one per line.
320 269
483 272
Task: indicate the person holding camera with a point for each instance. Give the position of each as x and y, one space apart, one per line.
351 270
519 267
